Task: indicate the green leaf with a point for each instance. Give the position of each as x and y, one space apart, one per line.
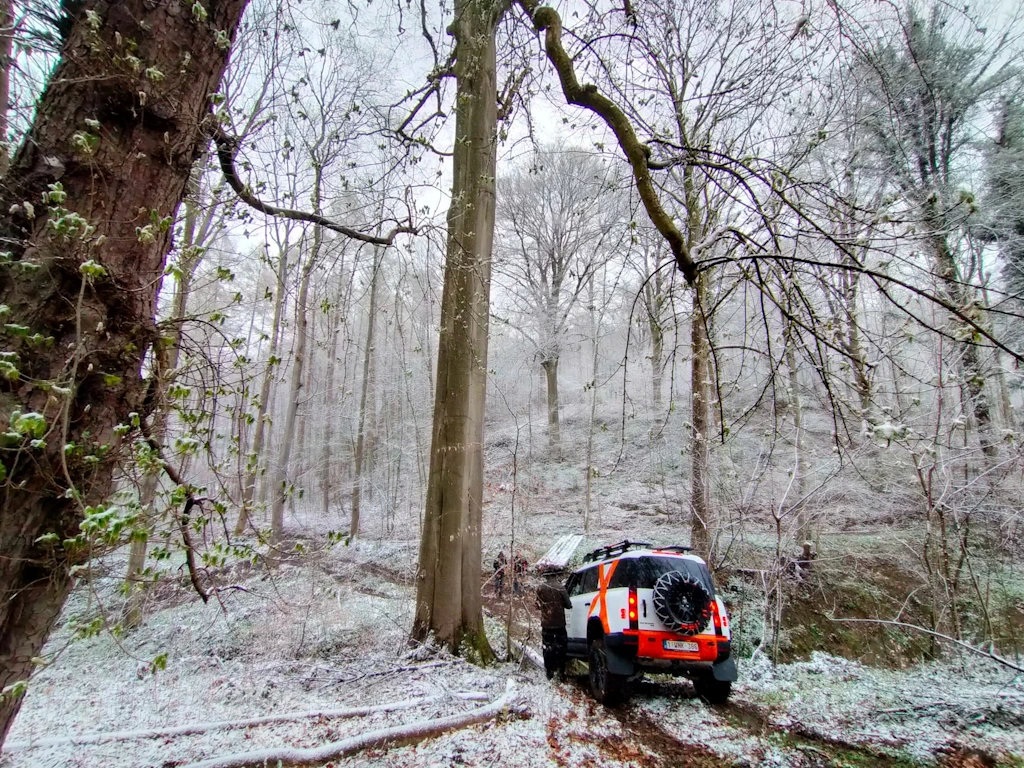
33 424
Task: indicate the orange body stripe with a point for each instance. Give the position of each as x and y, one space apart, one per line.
600 604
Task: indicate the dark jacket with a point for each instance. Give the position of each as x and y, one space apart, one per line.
552 602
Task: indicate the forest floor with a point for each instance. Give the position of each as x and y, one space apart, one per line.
330 631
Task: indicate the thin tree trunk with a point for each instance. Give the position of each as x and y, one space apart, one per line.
550 367
327 450
6 60
971 367
803 528
700 489
278 484
99 327
859 368
595 348
256 459
364 396
448 584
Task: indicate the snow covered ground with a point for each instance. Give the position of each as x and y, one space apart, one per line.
331 634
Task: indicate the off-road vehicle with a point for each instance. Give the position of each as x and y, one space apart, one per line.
638 608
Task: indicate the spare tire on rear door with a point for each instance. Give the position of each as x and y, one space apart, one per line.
682 603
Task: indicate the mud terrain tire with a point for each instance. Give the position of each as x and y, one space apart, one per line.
606 687
682 604
713 691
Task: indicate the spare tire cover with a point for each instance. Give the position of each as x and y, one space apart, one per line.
682 603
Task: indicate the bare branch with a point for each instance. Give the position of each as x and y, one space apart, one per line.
966 646
546 19
226 148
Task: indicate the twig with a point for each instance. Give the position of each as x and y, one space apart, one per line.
197 728
966 646
183 518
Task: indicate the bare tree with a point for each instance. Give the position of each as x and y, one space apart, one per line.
927 84
553 223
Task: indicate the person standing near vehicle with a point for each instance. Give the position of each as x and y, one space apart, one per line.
553 600
519 566
500 566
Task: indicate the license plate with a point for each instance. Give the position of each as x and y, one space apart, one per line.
681 645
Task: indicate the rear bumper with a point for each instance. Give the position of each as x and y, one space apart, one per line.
646 651
648 645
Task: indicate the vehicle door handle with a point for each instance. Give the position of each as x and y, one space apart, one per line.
587 604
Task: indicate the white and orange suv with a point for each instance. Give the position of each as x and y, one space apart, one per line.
638 608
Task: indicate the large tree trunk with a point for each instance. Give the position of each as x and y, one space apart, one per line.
700 482
550 366
118 178
256 458
364 398
448 584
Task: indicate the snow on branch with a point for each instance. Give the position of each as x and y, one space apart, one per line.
226 148
390 737
224 725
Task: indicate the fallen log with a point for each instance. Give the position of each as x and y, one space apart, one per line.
530 654
196 728
390 737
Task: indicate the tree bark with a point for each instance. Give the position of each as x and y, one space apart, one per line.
166 364
971 368
6 49
550 367
256 459
278 484
327 450
803 528
364 396
123 178
700 487
448 583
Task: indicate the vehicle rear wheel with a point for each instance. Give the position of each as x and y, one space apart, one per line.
713 691
607 687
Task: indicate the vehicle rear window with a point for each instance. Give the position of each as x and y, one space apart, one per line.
644 572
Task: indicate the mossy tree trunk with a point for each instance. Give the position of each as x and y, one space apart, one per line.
119 130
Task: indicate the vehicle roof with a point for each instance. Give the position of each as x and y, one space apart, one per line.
635 553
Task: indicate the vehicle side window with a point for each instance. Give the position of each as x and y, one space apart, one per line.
623 575
572 586
588 581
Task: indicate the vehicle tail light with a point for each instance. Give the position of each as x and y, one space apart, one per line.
634 622
716 617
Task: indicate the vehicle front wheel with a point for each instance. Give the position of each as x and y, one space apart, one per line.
607 687
713 691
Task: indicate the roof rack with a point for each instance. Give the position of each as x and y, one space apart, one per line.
603 553
675 548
